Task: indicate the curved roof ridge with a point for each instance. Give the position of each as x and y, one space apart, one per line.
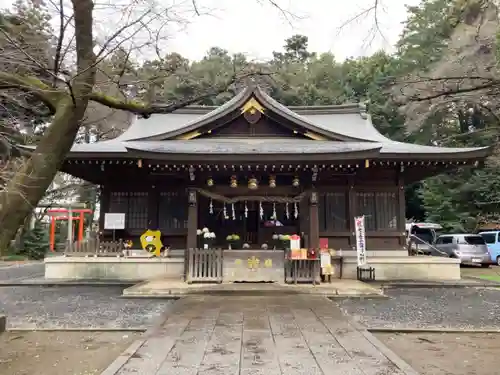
331 108
205 118
309 123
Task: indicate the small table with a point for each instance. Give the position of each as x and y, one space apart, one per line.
305 270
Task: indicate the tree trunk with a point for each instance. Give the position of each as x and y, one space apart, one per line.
26 189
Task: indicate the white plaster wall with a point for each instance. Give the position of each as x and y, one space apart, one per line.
101 268
407 268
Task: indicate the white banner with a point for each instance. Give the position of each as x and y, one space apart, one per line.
359 228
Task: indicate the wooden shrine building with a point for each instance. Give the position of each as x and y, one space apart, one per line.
254 168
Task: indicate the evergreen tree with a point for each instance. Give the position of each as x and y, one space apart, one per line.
36 242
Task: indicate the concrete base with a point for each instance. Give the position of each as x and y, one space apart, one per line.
407 268
253 266
165 288
420 268
113 268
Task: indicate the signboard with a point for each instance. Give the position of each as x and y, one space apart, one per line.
114 221
359 228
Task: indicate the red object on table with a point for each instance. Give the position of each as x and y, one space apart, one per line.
312 254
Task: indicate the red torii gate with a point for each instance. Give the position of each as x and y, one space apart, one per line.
63 214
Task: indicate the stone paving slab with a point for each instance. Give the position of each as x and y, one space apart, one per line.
287 335
170 288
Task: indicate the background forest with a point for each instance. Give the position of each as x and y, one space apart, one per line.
439 88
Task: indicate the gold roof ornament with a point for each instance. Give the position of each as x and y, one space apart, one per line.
252 106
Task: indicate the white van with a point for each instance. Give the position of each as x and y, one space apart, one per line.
420 235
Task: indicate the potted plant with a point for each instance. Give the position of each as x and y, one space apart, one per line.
285 241
276 242
199 238
234 241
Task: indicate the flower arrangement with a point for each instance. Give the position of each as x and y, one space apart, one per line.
234 241
205 237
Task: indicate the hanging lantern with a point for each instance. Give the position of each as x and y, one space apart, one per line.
234 182
295 182
210 182
272 181
253 184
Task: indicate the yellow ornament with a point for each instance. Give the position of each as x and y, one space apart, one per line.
253 263
268 263
151 241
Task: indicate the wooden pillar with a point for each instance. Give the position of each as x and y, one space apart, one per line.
192 219
401 219
351 211
104 206
313 220
153 203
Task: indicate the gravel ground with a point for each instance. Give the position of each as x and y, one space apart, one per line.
61 353
16 272
458 308
76 307
446 353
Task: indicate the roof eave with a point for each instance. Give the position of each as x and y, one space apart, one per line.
477 154
250 157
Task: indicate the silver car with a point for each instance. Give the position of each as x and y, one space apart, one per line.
470 248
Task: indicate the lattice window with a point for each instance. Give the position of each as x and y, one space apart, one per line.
118 202
137 217
172 211
379 208
365 205
387 211
134 205
332 211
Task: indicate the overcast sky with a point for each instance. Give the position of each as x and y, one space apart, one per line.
257 30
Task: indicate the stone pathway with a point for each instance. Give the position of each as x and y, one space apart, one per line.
289 335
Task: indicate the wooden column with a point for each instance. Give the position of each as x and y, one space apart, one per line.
192 219
401 219
313 220
104 206
351 211
153 202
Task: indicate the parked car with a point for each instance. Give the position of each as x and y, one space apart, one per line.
469 248
420 237
492 241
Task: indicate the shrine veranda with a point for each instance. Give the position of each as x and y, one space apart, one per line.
253 169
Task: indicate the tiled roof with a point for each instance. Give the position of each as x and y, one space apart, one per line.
348 124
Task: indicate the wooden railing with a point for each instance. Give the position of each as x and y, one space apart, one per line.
204 265
95 247
302 271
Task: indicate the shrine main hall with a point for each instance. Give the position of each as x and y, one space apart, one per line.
253 169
